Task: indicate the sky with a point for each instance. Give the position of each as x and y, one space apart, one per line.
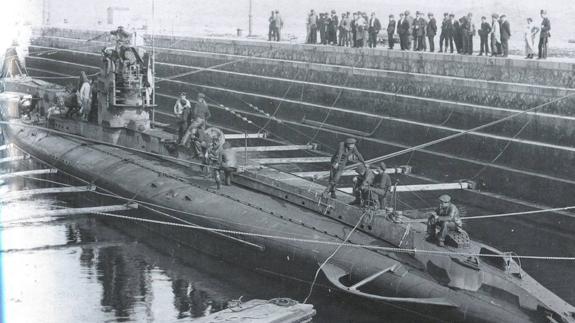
224 17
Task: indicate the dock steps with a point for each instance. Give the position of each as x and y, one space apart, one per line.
29 172
13 158
52 190
87 210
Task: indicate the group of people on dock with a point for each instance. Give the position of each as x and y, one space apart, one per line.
418 33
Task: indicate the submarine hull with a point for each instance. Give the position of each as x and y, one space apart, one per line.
185 196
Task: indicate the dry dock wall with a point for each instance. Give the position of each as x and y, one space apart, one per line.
397 99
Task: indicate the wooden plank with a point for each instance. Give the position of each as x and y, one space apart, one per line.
424 187
351 172
87 210
292 160
51 190
275 148
13 158
29 172
232 136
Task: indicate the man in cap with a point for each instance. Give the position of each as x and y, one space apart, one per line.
361 186
544 35
182 110
442 35
213 158
484 32
382 184
505 35
403 27
333 24
390 31
431 31
347 151
446 217
199 116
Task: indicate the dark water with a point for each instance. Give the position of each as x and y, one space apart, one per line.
80 269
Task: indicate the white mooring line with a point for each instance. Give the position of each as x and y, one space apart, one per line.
13 158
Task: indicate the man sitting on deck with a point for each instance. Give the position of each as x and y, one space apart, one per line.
446 217
347 151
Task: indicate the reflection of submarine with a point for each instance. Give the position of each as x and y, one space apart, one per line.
290 227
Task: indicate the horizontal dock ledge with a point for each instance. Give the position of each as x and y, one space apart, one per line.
232 136
351 172
275 148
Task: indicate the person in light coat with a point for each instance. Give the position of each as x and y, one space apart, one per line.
530 33
85 96
495 35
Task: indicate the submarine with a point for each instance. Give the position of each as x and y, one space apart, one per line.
270 220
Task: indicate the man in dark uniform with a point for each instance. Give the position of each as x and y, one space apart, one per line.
442 35
446 218
213 158
484 32
544 35
198 119
362 186
374 27
321 26
431 31
382 185
505 35
347 151
457 35
403 31
419 26
391 31
333 24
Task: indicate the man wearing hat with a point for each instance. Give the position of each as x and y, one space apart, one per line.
544 35
182 110
361 186
347 151
446 217
391 31
419 26
333 24
431 31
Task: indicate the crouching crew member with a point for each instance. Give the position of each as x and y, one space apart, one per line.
229 163
347 151
362 187
446 217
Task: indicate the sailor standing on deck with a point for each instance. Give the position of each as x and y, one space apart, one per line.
382 184
229 163
213 158
85 96
347 151
446 217
182 110
201 113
